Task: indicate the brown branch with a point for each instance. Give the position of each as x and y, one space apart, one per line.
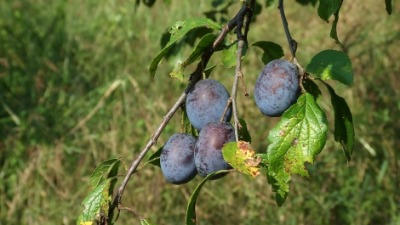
238 73
249 15
292 43
242 41
228 104
149 144
131 211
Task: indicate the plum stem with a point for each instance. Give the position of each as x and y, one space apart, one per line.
302 74
292 43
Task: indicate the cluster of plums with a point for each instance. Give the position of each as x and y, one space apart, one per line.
183 156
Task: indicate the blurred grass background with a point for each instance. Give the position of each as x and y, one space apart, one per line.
74 91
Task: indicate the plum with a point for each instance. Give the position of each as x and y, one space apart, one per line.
206 103
177 158
207 155
277 87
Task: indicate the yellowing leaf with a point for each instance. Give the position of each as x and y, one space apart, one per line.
241 156
86 223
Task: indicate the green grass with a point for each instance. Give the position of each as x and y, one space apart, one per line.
74 91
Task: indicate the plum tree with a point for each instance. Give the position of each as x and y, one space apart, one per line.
207 155
296 139
206 103
277 87
176 160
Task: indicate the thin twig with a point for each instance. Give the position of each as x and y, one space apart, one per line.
292 43
238 20
132 211
242 40
249 17
228 104
238 73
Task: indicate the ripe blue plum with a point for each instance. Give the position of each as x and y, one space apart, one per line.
206 103
207 155
277 87
177 158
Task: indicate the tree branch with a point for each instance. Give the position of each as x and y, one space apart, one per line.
292 43
249 14
151 142
242 41
194 77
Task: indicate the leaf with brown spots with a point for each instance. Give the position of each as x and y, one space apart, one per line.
298 138
241 156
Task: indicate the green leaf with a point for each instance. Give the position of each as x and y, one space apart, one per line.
388 4
205 42
112 174
208 71
145 222
311 88
96 203
298 138
154 159
271 50
186 126
244 134
327 7
333 33
149 3
102 182
178 31
113 171
191 208
109 166
178 73
229 55
241 156
271 3
331 64
344 128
